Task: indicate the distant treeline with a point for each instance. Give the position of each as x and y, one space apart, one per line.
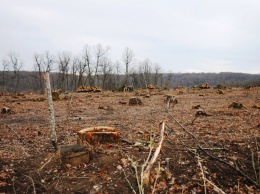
28 81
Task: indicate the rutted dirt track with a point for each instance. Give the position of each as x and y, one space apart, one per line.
217 153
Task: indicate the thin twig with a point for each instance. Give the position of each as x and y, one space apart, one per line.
34 191
211 156
234 168
127 180
253 163
50 157
157 176
258 160
158 149
140 186
203 176
16 134
14 188
218 189
193 120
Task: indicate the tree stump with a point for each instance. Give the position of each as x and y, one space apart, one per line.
135 101
236 105
201 112
55 96
220 92
100 134
75 154
6 110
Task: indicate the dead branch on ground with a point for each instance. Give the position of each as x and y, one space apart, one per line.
234 167
34 191
16 134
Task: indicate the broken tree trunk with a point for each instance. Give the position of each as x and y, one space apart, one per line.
51 111
145 176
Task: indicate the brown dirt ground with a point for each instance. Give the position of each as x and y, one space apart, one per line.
220 150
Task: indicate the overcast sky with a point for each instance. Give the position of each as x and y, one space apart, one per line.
179 35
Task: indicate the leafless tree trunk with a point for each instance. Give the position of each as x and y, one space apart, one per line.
39 67
145 70
99 53
53 135
82 69
74 72
5 74
127 57
135 79
168 81
63 79
117 74
106 70
16 65
156 75
87 64
48 61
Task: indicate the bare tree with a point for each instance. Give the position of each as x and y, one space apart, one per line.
39 68
135 77
106 70
5 74
74 73
87 64
82 69
127 57
64 59
99 52
16 64
53 134
145 70
48 61
156 74
117 71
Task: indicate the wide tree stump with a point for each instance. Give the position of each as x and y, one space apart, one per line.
100 134
135 101
236 105
75 154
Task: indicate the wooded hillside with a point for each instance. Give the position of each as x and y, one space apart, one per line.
28 81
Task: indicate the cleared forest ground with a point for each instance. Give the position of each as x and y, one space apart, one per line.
218 152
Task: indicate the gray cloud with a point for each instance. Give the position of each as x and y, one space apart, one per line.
184 36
